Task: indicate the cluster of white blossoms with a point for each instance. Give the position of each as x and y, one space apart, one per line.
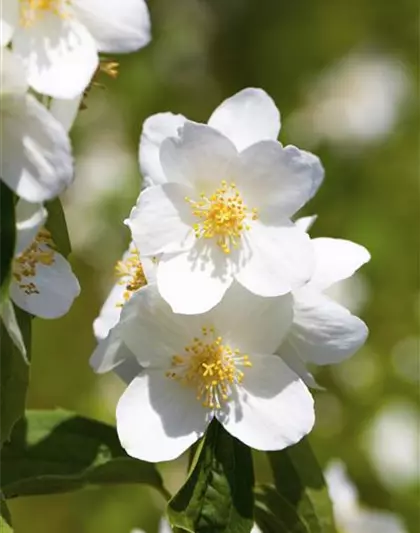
220 301
49 48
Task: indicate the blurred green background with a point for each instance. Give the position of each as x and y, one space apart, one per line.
343 74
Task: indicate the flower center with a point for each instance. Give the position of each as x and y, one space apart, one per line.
211 367
131 274
25 265
33 10
223 216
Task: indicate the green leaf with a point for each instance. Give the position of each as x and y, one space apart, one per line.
14 374
218 494
274 514
7 236
57 226
5 518
58 451
299 480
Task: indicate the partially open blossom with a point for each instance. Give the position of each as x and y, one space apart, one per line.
219 204
36 161
42 282
324 332
59 40
214 365
132 274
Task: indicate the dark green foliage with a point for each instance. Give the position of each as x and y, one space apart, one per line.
218 494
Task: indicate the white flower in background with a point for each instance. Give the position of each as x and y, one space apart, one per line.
36 161
111 353
217 364
350 517
223 206
59 40
42 282
357 101
392 442
323 331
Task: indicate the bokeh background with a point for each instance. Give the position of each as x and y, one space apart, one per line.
344 75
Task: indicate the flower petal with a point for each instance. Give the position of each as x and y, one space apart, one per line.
195 281
128 369
247 117
152 331
275 259
29 220
156 129
323 332
149 265
158 418
110 352
281 178
305 223
235 317
36 154
335 260
293 361
116 25
274 409
59 54
200 157
12 77
65 111
9 19
162 220
57 286
110 312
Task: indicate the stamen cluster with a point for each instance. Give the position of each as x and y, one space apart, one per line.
131 274
211 367
223 216
41 251
32 10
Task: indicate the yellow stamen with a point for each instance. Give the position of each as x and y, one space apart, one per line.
210 367
109 67
131 274
32 10
41 251
222 216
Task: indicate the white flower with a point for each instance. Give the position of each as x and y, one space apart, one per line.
36 160
111 353
217 364
223 206
42 283
349 515
324 332
392 442
356 101
59 40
